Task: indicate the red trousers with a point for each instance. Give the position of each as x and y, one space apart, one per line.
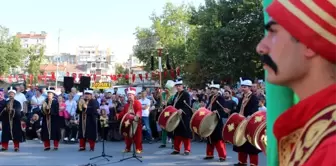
47 144
82 143
178 141
137 141
242 157
220 147
16 145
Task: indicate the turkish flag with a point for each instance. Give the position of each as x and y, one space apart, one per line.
53 76
140 76
126 76
133 77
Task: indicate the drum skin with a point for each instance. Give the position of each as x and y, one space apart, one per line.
169 119
233 129
254 122
126 128
261 138
203 122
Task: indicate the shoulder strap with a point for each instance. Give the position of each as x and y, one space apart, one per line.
319 128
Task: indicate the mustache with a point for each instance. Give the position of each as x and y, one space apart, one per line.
266 59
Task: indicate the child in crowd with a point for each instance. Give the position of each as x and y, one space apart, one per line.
104 124
262 105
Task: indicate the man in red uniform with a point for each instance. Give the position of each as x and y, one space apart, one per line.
299 51
133 106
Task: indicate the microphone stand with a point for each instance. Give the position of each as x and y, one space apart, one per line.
103 155
133 146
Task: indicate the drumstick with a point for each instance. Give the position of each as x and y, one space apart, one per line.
187 104
221 106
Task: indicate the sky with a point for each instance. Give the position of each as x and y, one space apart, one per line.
107 23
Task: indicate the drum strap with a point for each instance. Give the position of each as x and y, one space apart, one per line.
246 99
213 99
179 95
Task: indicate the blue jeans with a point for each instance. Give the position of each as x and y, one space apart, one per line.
145 122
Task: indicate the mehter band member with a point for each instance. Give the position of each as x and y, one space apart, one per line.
300 48
182 133
133 107
247 105
50 121
215 140
11 122
88 111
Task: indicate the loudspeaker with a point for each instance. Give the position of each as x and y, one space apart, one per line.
68 84
84 83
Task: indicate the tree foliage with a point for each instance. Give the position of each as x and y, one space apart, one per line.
217 40
123 71
35 56
11 53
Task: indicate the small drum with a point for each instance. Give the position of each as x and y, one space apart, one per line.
169 119
234 129
127 125
253 123
261 138
203 122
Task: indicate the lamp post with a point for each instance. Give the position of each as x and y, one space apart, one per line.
159 51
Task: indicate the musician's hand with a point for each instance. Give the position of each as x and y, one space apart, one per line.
180 111
226 110
136 118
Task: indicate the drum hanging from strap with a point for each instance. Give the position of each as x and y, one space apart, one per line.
169 119
234 129
127 125
254 122
261 137
203 122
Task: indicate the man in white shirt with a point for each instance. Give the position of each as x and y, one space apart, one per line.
145 103
22 99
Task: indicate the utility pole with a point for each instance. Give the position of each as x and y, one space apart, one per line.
58 56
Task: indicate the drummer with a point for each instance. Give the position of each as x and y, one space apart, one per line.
215 140
182 133
133 106
247 105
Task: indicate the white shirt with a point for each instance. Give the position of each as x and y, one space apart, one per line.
71 107
20 97
145 102
37 100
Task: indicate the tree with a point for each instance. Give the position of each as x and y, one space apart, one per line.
35 56
123 71
11 53
169 30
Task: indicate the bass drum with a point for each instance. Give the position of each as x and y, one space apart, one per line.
254 122
203 122
169 119
128 125
234 129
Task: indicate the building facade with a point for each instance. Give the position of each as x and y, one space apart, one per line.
99 61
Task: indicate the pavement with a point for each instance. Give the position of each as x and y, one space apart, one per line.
32 154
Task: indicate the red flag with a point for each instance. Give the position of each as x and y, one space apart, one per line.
133 77
178 70
94 77
126 76
53 76
31 79
146 76
140 76
172 73
165 74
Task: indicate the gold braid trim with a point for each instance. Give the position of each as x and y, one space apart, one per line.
319 128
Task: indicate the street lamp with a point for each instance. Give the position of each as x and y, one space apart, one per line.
159 49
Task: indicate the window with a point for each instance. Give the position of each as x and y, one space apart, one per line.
93 65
